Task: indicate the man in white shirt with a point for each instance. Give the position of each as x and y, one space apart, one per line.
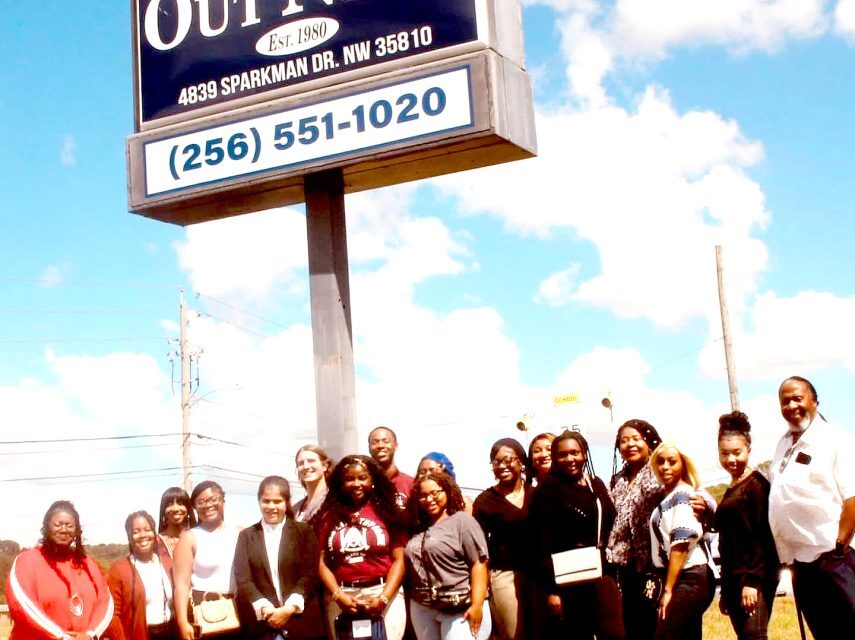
812 510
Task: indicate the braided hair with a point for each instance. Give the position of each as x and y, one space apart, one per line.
646 430
569 434
78 553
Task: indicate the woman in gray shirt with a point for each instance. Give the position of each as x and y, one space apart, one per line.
446 564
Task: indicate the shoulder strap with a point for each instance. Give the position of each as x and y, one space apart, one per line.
590 482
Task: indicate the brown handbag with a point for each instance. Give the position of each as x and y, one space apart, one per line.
214 614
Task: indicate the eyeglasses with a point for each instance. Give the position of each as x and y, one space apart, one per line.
431 495
504 462
631 440
213 501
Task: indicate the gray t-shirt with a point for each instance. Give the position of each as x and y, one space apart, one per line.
452 546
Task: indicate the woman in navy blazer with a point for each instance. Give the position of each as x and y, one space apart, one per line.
276 569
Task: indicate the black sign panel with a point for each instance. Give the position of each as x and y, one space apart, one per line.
198 53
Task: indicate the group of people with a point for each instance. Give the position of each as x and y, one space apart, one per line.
372 552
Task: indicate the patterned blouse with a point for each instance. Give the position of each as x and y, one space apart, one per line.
635 499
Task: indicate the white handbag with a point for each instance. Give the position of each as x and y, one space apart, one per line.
583 564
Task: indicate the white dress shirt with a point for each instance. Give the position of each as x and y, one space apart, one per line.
810 481
272 540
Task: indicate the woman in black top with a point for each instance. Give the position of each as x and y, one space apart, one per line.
565 515
749 561
502 511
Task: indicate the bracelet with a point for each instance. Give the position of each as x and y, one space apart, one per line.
336 594
840 547
384 599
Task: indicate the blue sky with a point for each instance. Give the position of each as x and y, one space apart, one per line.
664 128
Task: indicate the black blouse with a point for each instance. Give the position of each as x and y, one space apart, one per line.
506 527
564 516
746 545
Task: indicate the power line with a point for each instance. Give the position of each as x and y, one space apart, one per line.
239 444
88 439
86 450
235 325
90 283
104 474
147 312
67 340
243 311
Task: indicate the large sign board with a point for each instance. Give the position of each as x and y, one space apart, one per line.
197 55
238 100
371 119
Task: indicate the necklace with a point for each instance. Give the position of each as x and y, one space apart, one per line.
75 600
742 476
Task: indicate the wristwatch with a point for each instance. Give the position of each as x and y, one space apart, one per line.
840 547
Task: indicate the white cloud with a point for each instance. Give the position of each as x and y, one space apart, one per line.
87 397
596 37
250 254
68 151
782 336
51 276
653 189
844 19
642 27
558 288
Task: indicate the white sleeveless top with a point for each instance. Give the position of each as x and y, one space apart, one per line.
212 565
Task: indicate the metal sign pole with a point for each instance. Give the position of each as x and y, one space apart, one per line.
329 286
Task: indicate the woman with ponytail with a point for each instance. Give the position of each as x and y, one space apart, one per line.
749 561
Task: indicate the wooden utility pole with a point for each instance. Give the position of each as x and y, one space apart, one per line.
329 287
185 395
725 328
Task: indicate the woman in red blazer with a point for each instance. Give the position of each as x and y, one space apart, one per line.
141 585
276 570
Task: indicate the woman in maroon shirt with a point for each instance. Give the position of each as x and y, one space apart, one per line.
362 545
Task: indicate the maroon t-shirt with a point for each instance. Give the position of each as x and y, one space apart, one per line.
360 549
403 487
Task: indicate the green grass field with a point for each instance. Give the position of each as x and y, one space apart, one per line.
783 626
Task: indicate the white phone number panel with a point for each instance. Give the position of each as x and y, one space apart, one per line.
371 119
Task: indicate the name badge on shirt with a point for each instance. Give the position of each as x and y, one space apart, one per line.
361 629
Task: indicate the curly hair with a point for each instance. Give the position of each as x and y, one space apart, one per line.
78 552
734 423
454 498
338 506
176 495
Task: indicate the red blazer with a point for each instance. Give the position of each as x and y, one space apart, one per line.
129 598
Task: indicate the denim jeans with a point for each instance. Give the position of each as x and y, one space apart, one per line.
690 597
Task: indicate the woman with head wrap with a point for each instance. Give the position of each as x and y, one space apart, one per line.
436 461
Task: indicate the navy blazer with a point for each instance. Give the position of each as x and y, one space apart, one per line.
298 573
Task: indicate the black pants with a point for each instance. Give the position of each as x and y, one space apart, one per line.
755 626
690 597
825 592
639 615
